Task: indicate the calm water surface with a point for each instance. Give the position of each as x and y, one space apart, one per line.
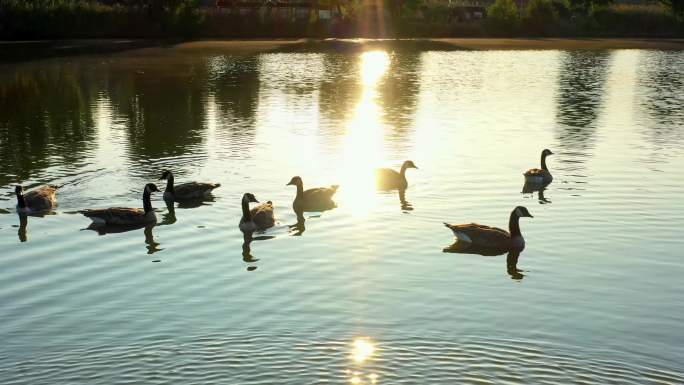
364 294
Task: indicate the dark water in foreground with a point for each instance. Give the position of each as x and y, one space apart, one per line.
364 294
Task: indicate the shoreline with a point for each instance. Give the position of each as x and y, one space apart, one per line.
16 51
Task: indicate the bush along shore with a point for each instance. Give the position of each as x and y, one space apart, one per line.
91 19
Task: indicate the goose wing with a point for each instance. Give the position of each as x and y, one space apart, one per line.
320 194
262 215
481 235
42 198
116 215
388 178
534 172
194 189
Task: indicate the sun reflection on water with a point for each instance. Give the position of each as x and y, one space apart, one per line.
363 150
362 350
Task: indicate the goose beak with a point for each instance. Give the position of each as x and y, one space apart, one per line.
290 184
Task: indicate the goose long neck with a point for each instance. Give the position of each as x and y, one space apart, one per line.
246 215
543 162
403 170
514 224
300 190
147 203
21 201
169 183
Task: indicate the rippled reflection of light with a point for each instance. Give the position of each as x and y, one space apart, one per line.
364 151
362 349
374 64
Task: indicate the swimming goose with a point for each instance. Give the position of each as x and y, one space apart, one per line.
125 215
315 199
540 175
493 237
186 191
37 200
388 179
259 218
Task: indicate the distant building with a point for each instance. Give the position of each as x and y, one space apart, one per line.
285 9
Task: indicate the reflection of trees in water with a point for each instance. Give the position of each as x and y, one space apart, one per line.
340 89
399 94
234 83
164 111
45 117
661 82
581 87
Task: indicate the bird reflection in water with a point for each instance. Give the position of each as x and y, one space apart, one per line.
170 217
150 244
22 233
531 188
298 228
247 256
511 258
405 205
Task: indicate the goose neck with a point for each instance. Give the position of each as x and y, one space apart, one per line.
21 200
169 183
147 203
514 224
300 190
543 162
246 215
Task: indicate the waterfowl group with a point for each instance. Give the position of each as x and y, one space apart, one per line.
480 239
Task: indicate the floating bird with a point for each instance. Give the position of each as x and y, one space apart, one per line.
37 200
186 191
124 215
388 179
540 176
315 199
259 218
493 237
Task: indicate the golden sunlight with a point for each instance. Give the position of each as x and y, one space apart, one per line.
374 64
362 349
363 150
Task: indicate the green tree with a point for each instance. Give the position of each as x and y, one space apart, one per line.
676 7
503 14
540 17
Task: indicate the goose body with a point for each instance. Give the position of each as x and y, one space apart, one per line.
115 216
186 191
37 200
540 176
388 179
257 218
493 237
315 199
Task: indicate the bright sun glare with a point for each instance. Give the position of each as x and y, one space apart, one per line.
364 151
362 349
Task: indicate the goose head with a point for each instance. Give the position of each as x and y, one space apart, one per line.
166 174
521 211
295 181
408 164
546 152
150 188
19 190
249 198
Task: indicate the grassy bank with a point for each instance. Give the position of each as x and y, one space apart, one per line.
79 19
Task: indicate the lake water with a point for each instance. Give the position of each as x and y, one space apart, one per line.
364 294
